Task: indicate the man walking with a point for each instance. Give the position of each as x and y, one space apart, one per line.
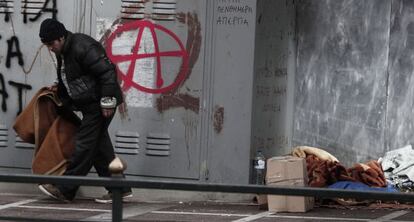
87 82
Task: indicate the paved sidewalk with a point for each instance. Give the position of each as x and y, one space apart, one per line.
38 206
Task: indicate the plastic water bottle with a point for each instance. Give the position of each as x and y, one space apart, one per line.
259 168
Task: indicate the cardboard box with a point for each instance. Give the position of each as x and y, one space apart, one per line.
287 171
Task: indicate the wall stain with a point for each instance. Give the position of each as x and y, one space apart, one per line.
104 38
165 102
190 132
193 45
218 119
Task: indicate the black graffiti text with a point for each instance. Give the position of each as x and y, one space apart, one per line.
4 94
45 8
13 50
20 87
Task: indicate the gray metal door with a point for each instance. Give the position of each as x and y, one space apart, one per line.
157 47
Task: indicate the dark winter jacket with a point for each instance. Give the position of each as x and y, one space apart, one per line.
89 72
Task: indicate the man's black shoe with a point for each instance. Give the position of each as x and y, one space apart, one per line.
53 192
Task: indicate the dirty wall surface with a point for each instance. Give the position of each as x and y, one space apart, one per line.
354 72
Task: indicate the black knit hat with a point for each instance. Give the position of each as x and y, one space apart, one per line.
51 29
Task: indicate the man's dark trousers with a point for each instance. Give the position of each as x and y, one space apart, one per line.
93 147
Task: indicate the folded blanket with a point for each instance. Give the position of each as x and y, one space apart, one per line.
303 151
52 135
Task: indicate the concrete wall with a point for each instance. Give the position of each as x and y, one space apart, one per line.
354 69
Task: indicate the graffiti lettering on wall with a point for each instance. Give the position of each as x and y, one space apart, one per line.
148 66
20 87
33 8
271 87
270 142
6 8
31 11
36 8
13 51
4 94
232 13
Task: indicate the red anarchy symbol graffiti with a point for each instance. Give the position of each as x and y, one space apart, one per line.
127 77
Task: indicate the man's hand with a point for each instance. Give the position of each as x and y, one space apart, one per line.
107 112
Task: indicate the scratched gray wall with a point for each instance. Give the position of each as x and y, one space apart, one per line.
341 78
401 67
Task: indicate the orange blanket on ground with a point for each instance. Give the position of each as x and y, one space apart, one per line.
324 171
52 135
370 173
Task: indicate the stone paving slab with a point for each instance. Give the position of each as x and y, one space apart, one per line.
406 217
341 213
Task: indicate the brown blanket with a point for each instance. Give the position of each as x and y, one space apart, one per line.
323 169
370 173
322 173
52 135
